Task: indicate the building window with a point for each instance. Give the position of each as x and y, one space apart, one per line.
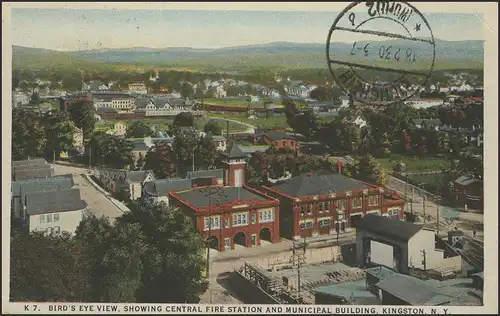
373 200
42 218
49 218
324 222
302 210
327 206
356 202
240 219
212 222
254 218
228 223
227 242
309 209
306 225
56 217
266 215
341 204
321 206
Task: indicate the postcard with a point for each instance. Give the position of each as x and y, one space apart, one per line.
212 158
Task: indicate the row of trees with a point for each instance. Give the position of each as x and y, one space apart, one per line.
150 255
40 134
390 131
262 166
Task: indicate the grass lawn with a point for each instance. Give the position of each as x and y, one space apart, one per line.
233 127
414 164
271 122
158 123
244 104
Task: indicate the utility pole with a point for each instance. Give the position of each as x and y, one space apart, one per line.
90 158
424 262
423 201
210 192
54 157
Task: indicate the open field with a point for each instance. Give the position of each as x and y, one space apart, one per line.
414 164
271 122
242 103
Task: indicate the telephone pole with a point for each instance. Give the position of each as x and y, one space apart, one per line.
424 262
437 214
424 198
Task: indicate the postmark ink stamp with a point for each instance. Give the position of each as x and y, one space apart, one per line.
391 54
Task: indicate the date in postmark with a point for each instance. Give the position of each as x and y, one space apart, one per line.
391 51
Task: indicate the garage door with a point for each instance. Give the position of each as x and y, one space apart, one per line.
381 254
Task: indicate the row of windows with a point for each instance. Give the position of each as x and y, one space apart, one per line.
49 218
50 230
240 219
356 202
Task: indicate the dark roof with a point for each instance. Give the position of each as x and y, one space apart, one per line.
106 110
57 184
466 180
29 162
314 184
24 174
31 167
412 290
162 187
43 202
388 227
380 272
198 197
141 103
234 151
218 173
278 135
137 176
16 185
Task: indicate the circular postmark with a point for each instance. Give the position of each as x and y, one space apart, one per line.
380 51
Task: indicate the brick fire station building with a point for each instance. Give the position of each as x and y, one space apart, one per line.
232 213
313 204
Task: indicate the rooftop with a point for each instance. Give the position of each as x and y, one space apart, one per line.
162 187
234 151
380 272
315 184
388 227
218 173
467 180
24 174
413 291
278 135
28 162
198 197
355 292
43 202
17 185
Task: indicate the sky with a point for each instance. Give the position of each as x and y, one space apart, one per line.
84 29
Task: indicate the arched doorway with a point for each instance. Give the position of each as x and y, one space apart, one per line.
239 239
213 242
265 234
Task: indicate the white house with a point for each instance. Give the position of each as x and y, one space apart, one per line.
139 88
117 101
220 92
54 211
157 191
344 101
119 129
122 181
399 245
358 120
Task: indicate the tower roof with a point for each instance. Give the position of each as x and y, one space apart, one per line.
234 151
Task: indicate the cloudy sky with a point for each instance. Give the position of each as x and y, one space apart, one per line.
82 29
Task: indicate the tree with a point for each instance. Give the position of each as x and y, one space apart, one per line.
277 167
110 150
47 268
320 93
28 134
161 159
35 98
291 112
83 115
212 127
59 132
257 169
184 146
366 169
205 152
172 258
187 90
382 145
183 119
139 129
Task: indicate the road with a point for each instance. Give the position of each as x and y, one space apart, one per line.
250 128
98 204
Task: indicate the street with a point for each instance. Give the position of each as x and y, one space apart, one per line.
98 204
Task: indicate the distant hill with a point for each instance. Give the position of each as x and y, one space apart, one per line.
449 54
